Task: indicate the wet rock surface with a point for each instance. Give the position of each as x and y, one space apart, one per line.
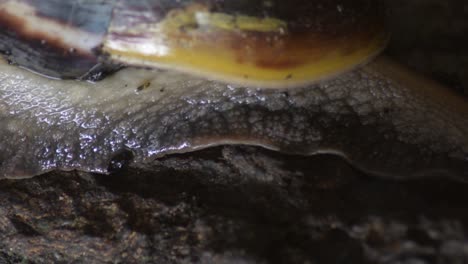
249 205
232 205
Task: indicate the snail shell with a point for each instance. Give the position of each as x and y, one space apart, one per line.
379 117
260 43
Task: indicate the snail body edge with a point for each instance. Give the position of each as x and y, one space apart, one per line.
379 117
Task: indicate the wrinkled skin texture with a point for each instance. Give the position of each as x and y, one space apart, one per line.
371 116
381 119
243 205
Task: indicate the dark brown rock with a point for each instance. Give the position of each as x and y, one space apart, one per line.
232 205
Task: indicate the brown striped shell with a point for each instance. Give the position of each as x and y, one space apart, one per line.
264 43
382 119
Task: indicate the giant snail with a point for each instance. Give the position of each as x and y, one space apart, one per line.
84 80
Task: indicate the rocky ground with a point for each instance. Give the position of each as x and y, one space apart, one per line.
249 205
233 205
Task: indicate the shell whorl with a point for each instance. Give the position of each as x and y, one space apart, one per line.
263 43
383 120
53 38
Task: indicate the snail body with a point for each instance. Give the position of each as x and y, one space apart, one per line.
379 117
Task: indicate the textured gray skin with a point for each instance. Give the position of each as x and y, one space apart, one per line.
380 125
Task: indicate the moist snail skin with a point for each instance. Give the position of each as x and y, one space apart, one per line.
295 77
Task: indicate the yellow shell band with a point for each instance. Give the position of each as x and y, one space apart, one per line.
241 49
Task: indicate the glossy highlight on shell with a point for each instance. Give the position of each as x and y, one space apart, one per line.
53 38
259 43
379 117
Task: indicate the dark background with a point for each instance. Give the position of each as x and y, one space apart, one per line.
431 36
248 205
